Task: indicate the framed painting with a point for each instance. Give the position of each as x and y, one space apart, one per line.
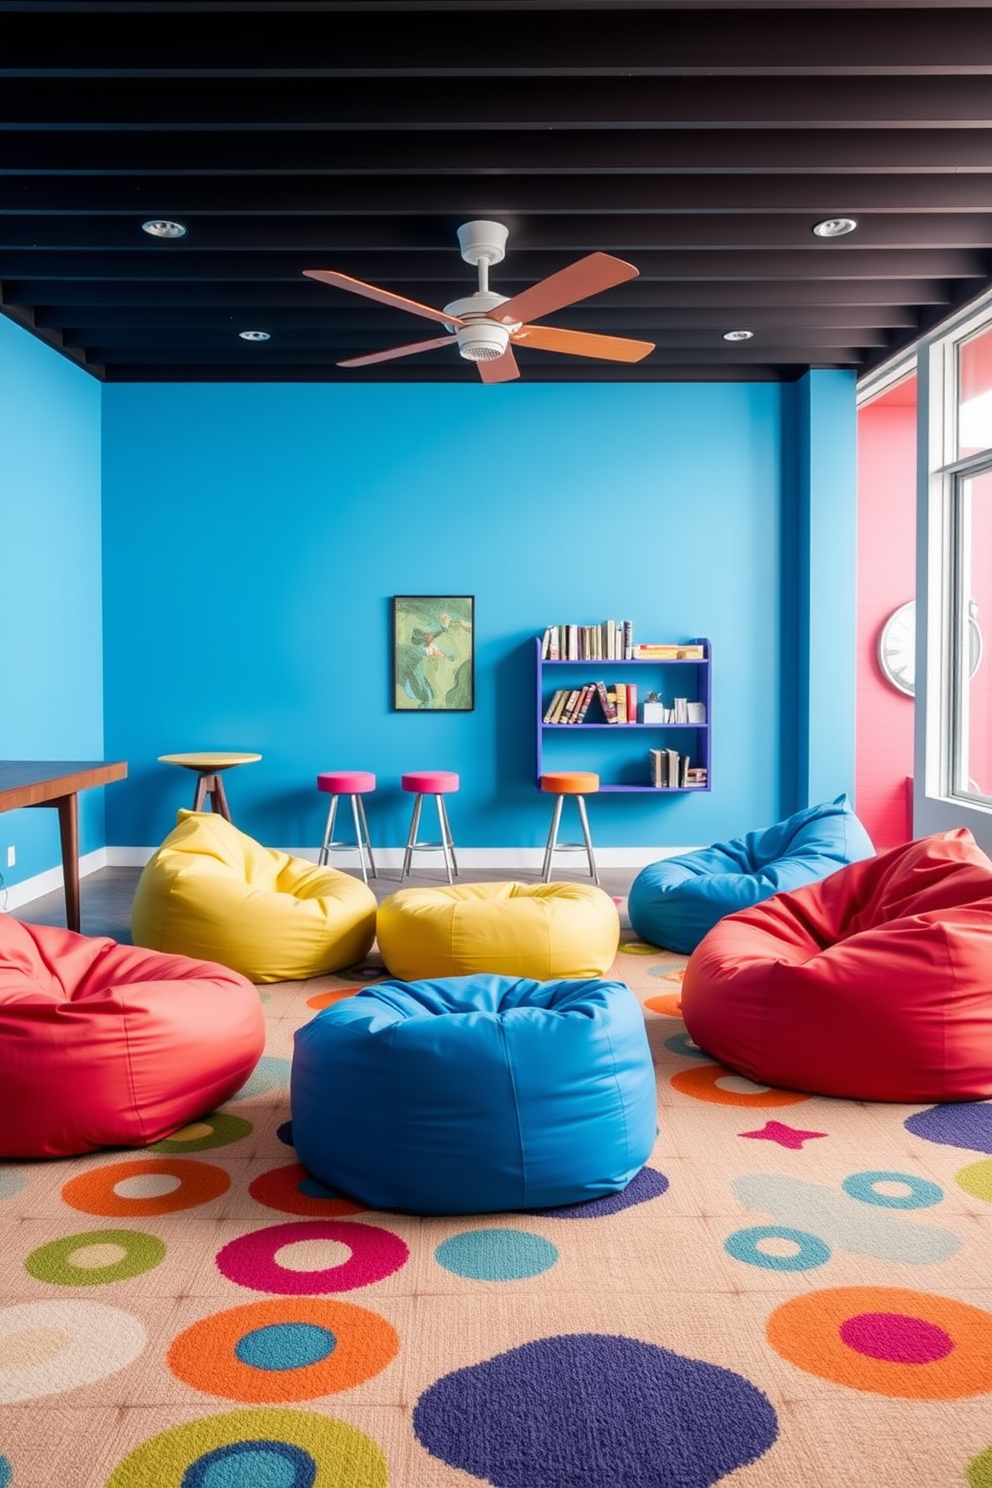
434 653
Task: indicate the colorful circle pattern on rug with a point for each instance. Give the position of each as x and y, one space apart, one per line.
669 1005
47 1348
217 1130
888 1341
496 1255
979 1470
702 1082
269 1074
11 1182
275 1448
961 1124
291 1190
64 1262
865 1186
326 999
170 1185
809 1250
250 1261
515 1419
976 1179
681 1043
645 1185
6 1472
283 1350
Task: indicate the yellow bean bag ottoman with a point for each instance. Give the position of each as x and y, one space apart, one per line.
212 893
540 931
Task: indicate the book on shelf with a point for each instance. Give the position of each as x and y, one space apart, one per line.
553 704
606 702
631 702
560 705
620 693
671 770
609 640
571 703
585 701
695 776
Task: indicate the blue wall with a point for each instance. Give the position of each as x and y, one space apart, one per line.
255 534
51 705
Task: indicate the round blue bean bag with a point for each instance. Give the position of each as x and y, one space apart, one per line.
475 1094
673 903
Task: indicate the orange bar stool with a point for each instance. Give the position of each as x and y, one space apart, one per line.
436 783
354 784
577 784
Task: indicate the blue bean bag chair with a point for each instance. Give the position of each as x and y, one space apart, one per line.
475 1094
674 902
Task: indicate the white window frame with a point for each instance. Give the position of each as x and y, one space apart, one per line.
940 654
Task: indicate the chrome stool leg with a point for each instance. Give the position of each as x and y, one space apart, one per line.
368 840
593 871
325 847
552 839
411 840
447 841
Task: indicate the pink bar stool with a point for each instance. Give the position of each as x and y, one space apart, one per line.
354 784
436 783
578 784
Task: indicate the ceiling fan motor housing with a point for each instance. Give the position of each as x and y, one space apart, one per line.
479 339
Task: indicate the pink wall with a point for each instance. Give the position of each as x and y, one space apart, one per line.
886 579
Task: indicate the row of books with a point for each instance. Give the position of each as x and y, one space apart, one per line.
610 640
667 651
614 704
669 770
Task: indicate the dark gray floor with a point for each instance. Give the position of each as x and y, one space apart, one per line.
106 896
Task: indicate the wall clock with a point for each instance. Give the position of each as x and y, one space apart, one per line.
897 647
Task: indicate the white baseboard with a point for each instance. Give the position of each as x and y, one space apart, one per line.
508 859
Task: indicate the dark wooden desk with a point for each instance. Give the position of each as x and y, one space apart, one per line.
57 783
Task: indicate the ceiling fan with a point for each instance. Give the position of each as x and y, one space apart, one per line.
487 326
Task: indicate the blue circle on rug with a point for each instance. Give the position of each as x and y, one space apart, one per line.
967 1124
922 1194
681 1043
263 1464
269 1073
11 1182
743 1246
496 1255
645 1185
6 1472
285 1346
285 1133
533 1417
314 1189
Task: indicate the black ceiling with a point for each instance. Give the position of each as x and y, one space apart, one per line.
698 141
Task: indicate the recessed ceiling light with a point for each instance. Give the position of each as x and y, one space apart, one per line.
254 335
737 335
834 227
161 227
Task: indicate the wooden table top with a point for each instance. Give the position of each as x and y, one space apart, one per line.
208 760
33 782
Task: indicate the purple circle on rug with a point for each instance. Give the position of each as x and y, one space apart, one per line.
896 1338
250 1261
968 1124
648 1184
551 1413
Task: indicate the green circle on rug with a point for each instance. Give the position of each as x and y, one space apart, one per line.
976 1179
496 1255
301 1447
638 948
216 1130
979 1470
53 1262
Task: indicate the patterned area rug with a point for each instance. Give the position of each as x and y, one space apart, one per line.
794 1292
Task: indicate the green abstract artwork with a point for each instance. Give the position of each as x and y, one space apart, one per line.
434 652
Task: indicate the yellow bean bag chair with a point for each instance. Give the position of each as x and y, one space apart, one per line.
539 931
212 893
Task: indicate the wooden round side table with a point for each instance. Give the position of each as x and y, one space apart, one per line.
208 766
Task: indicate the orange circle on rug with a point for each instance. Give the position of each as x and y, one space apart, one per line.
887 1340
291 1190
670 1005
282 1350
701 1083
198 1183
325 999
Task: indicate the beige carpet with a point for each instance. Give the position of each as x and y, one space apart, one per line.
795 1292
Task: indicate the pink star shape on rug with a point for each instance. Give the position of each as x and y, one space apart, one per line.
786 1136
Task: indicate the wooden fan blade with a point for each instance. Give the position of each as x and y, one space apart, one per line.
587 276
398 351
503 369
582 343
384 296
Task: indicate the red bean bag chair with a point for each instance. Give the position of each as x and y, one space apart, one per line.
874 983
106 1045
